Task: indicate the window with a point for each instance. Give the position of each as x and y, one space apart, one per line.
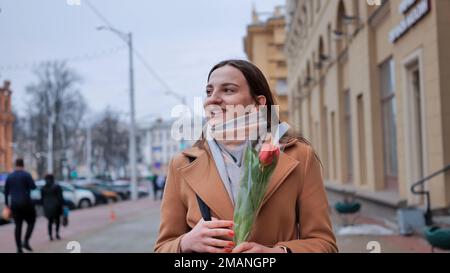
414 129
333 143
356 8
329 40
324 139
281 87
389 122
417 109
362 140
305 19
348 132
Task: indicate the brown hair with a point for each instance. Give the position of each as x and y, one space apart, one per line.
19 163
258 86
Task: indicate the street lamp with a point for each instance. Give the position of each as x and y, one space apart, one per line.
128 39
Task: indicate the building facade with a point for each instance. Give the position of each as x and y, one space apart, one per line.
6 128
368 86
157 146
264 46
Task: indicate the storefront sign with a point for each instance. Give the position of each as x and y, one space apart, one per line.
415 15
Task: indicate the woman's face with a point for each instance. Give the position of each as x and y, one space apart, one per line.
227 87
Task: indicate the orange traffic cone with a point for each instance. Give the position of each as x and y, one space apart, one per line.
112 214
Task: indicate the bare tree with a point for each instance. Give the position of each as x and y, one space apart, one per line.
110 144
54 94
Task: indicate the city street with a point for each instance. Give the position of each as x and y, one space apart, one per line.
133 227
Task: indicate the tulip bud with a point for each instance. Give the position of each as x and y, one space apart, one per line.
268 154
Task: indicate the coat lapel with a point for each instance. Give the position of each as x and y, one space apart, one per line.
203 177
286 164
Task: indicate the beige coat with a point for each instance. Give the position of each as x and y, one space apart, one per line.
296 187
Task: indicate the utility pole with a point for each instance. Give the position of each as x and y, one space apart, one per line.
128 38
134 193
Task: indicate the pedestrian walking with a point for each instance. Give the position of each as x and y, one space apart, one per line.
160 183
53 203
18 187
155 187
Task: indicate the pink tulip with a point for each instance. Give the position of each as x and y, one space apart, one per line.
268 154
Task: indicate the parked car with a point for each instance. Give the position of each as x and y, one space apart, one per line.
82 198
102 196
123 190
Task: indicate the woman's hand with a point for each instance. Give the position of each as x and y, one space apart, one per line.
202 238
248 247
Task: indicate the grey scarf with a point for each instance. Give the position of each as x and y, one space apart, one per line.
229 165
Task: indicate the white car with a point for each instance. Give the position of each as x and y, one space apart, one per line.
82 198
78 197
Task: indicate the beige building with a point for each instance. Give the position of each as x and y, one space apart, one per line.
264 46
368 85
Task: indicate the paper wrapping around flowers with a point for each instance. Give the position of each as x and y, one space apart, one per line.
259 165
251 192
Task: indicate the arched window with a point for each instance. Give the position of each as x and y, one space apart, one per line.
356 14
330 53
305 19
341 30
356 8
308 79
322 57
314 64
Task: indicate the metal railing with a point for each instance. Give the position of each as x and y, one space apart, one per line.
421 191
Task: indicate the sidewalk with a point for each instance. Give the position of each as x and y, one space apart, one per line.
394 243
134 229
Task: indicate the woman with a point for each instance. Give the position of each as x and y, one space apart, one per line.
53 202
294 215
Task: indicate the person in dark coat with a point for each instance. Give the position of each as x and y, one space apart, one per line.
53 203
18 187
154 186
161 182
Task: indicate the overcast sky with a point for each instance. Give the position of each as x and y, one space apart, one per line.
180 39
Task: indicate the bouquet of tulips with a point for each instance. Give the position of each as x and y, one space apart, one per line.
260 160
